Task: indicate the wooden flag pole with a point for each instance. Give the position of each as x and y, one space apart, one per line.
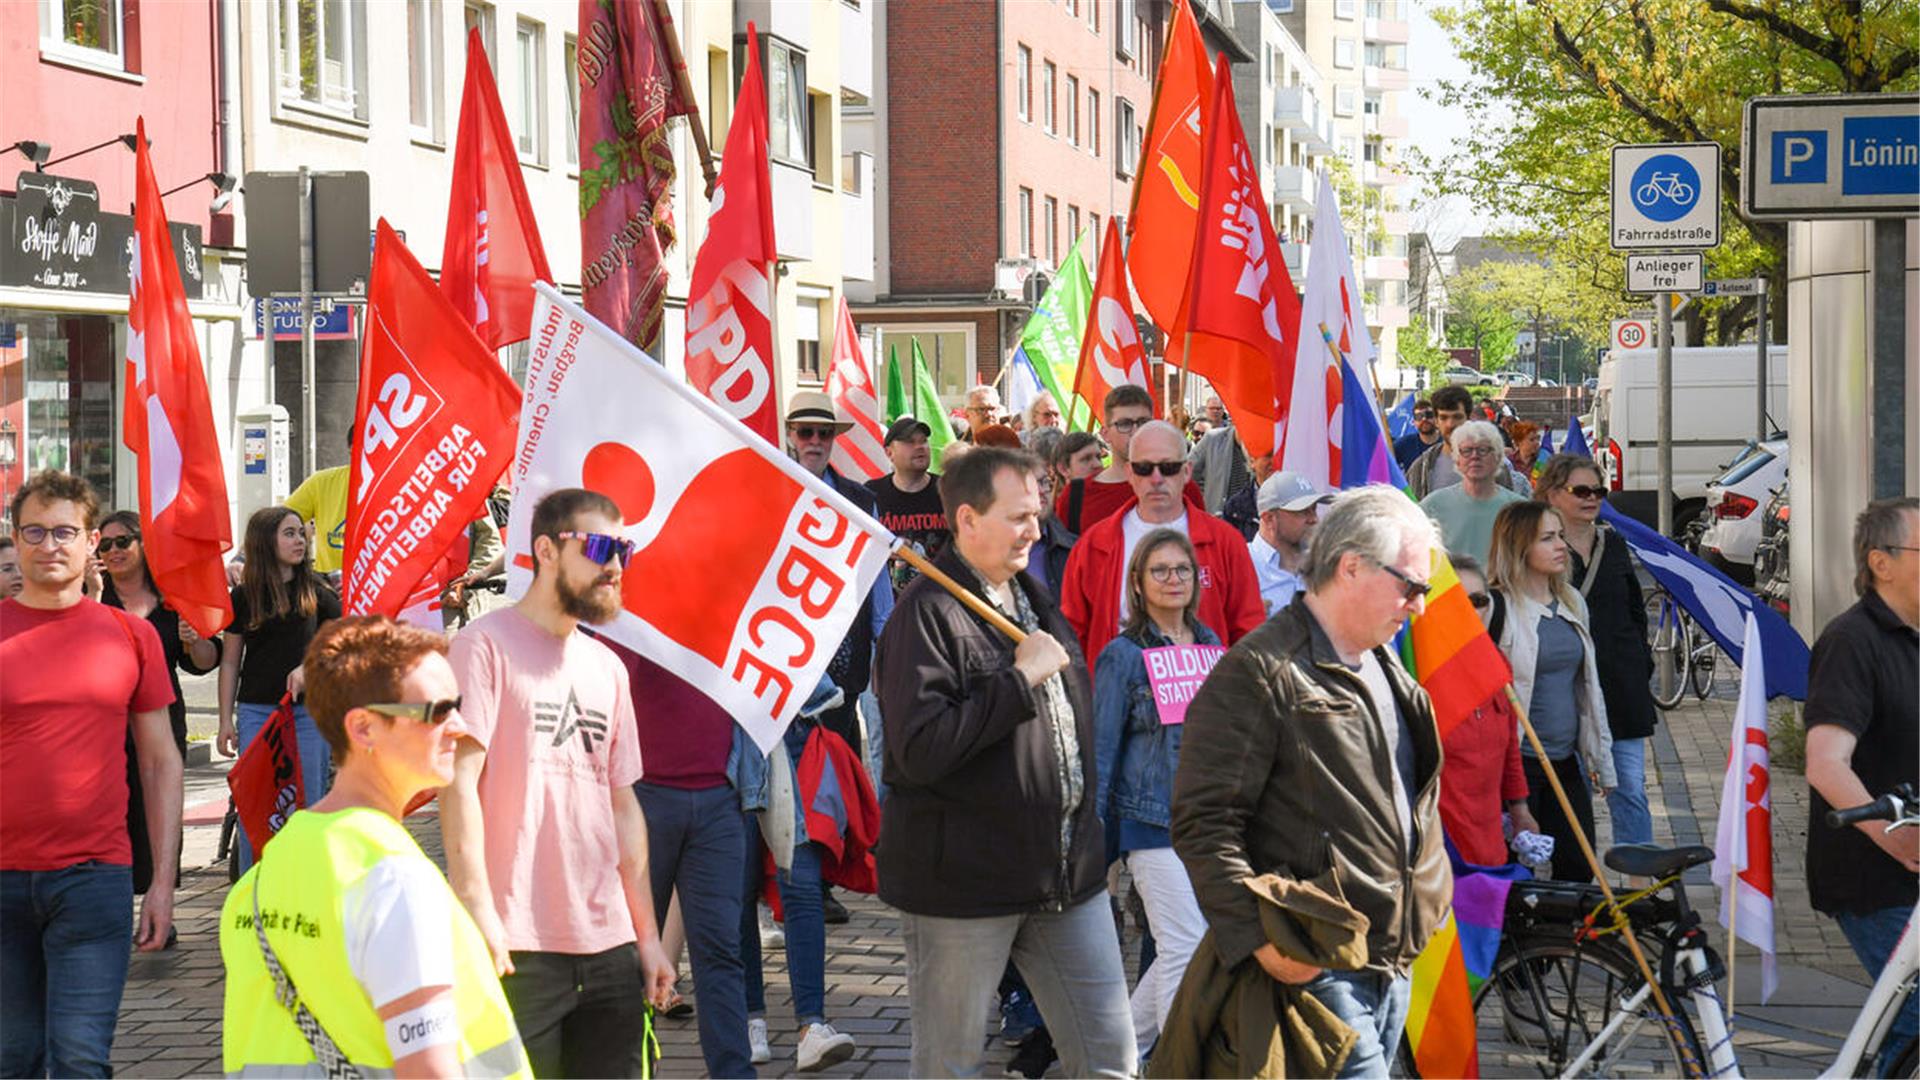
1341 359
1606 889
1733 938
664 19
965 595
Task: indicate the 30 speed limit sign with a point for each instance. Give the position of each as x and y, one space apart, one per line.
1632 333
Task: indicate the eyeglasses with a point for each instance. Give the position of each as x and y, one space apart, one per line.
1410 589
1423 414
1146 468
1899 547
807 432
427 712
1165 574
1474 451
1586 491
1479 599
118 543
601 548
34 535
1126 426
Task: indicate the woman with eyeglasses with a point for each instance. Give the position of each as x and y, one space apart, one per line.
1542 623
344 909
127 585
1481 776
1136 755
1601 568
278 606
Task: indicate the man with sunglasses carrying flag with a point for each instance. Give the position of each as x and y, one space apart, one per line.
545 838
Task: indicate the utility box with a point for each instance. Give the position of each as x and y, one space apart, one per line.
265 456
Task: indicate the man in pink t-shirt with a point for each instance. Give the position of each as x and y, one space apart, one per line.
546 842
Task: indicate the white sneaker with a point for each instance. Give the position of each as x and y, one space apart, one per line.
822 1047
757 1041
772 936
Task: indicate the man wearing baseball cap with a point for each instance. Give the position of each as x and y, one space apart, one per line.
1289 509
908 501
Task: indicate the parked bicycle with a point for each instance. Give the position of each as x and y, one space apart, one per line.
1684 654
1566 999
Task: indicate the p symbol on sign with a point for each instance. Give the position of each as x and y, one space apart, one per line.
1799 157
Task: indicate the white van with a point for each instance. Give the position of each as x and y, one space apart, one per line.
1713 420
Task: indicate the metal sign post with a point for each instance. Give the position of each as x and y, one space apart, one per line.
1663 374
308 421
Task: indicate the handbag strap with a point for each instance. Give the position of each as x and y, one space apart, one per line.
328 1054
1593 565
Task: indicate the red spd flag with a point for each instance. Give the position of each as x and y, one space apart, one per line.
1110 353
266 782
747 569
860 453
1242 310
730 299
435 422
493 254
167 422
1166 196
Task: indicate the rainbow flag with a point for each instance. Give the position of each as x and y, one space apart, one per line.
1546 451
1457 961
1454 659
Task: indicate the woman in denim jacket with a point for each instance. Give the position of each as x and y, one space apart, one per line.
1135 759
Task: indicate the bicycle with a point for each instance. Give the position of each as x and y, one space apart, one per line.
1692 656
1663 186
1565 999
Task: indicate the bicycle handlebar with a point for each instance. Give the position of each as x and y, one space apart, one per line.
1888 807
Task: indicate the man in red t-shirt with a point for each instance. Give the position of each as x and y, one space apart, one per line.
77 674
1083 504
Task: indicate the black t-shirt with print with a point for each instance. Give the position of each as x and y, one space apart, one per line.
915 517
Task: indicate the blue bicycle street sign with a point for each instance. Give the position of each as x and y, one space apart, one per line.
1666 197
1665 187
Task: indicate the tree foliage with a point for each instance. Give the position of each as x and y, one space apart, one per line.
1556 82
1414 349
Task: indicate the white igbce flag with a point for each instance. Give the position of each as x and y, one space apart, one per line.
747 570
1743 840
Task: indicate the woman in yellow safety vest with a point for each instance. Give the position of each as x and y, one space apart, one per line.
346 951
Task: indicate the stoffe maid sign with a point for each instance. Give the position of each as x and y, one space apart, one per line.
1666 196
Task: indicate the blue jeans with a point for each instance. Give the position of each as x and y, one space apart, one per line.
805 924
1375 1007
316 760
65 938
1627 802
694 845
1874 935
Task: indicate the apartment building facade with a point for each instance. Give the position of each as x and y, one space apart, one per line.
1283 101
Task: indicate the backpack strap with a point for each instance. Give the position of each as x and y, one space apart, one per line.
1076 495
1593 564
1498 620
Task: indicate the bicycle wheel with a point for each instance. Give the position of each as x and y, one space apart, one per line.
1668 638
1548 999
1703 665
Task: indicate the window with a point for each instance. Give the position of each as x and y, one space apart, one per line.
1050 221
1093 122
1371 106
1073 111
948 352
1093 15
1345 9
1073 222
820 124
321 46
788 136
806 334
1126 136
1024 212
1093 224
570 58
1049 76
1073 8
1126 30
1350 148
1023 83
90 31
1343 99
1370 151
719 97
1343 52
530 104
479 16
423 68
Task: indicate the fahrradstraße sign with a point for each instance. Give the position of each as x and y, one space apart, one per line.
1665 196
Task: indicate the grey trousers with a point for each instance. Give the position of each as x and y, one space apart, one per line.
1071 961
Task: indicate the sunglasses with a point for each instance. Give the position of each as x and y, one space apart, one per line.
807 432
601 548
427 712
1410 589
118 543
1586 491
1479 599
1166 468
1423 414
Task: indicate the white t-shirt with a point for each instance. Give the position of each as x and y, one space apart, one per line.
1132 528
399 926
1398 742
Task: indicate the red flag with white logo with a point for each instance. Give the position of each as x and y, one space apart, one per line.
860 452
1110 353
167 422
434 424
1242 310
1743 842
747 570
730 299
493 254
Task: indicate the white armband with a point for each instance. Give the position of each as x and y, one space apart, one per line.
432 1024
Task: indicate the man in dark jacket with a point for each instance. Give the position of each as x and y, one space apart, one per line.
1311 754
992 840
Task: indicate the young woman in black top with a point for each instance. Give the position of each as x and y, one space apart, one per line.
278 606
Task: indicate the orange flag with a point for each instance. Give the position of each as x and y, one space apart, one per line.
1110 351
1166 189
1244 314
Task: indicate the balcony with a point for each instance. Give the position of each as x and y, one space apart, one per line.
1396 222
1378 175
1293 186
1295 255
1385 268
1388 31
1299 111
1386 125
1384 79
1387 316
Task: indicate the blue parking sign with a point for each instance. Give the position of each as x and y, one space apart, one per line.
1799 157
1882 155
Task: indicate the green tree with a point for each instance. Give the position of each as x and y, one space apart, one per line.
1415 352
1480 316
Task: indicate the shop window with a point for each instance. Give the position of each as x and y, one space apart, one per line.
57 380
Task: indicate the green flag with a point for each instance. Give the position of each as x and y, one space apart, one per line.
896 390
1053 332
926 407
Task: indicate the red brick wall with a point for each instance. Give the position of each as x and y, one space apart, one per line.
943 86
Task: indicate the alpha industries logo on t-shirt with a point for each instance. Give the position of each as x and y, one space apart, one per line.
563 719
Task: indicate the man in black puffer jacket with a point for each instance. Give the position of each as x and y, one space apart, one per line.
992 846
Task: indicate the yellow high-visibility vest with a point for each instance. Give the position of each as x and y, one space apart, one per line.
308 869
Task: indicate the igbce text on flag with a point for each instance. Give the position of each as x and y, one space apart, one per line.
747 570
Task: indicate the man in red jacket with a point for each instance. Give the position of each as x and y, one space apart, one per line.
1093 594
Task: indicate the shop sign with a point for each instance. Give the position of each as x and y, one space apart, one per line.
58 238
